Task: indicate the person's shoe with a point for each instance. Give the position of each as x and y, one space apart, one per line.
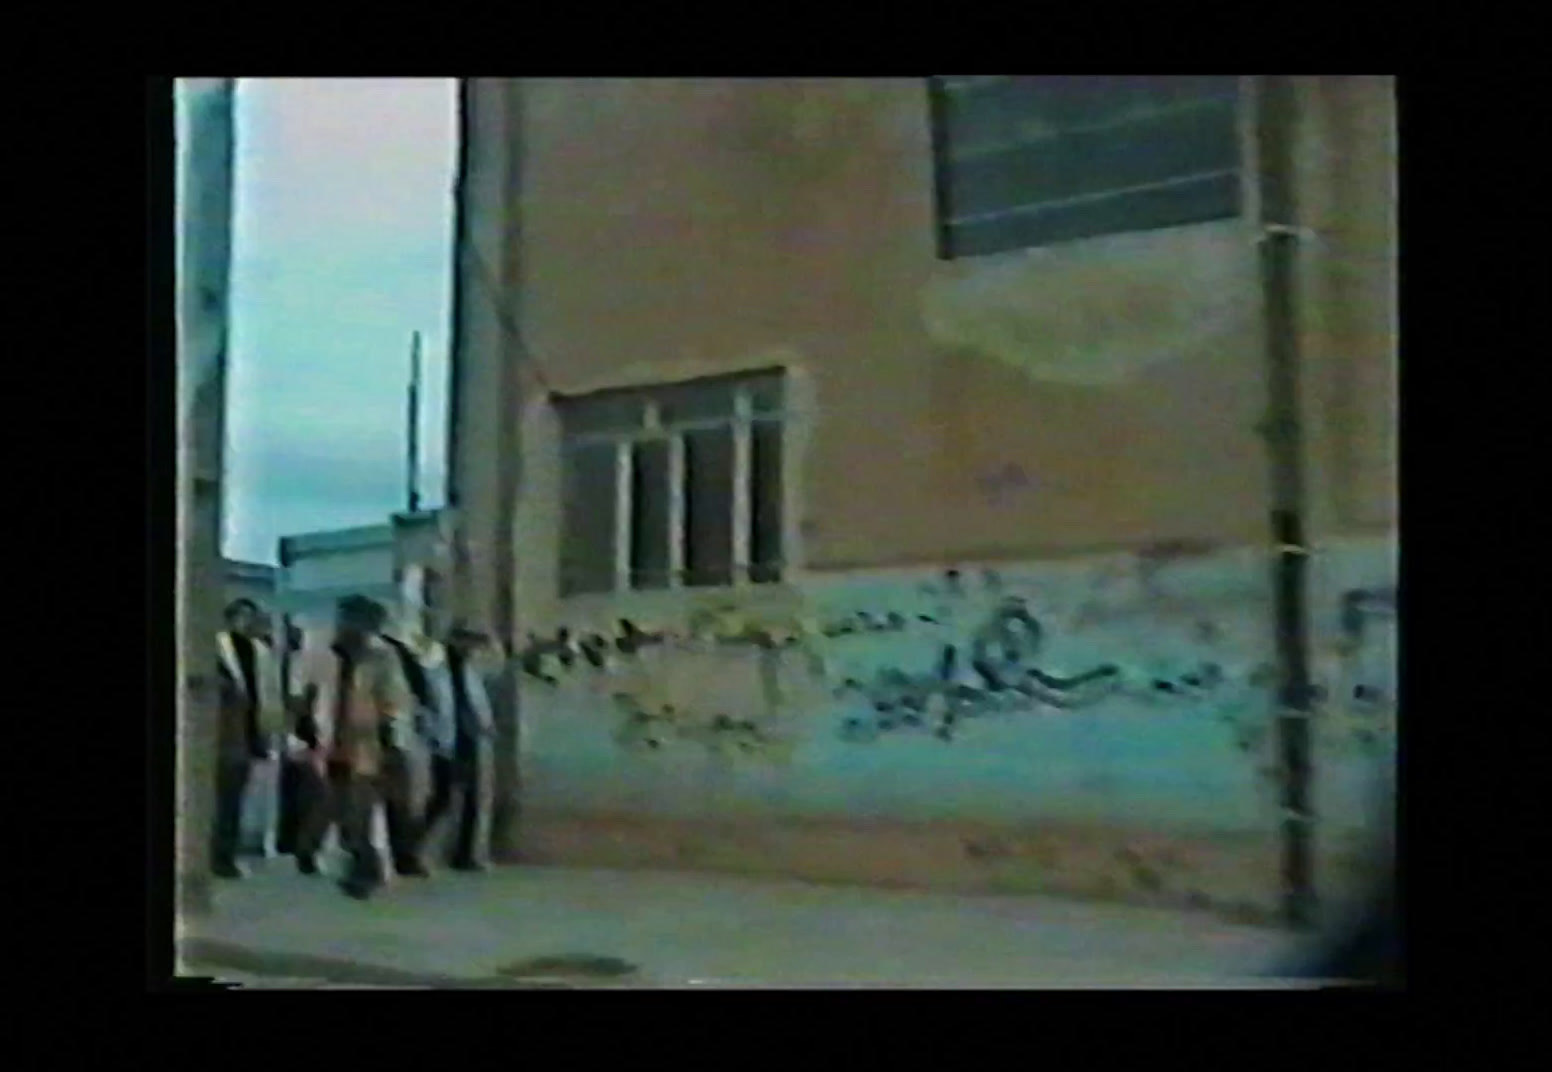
410 869
226 869
307 865
471 866
359 889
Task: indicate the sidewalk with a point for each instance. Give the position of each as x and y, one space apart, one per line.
683 930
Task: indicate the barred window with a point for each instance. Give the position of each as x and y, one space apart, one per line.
1036 160
678 485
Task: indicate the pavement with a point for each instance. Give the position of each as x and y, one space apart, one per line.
526 927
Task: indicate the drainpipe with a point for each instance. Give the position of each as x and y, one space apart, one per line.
1278 243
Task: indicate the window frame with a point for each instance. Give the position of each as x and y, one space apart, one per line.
946 157
650 426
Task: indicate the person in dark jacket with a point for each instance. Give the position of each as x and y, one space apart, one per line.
293 768
252 714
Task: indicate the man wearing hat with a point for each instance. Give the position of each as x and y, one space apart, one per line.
461 749
357 700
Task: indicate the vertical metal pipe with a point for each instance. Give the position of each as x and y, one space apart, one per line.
412 418
1276 104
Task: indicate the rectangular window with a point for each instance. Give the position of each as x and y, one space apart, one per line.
708 506
1036 160
587 541
674 486
765 503
649 533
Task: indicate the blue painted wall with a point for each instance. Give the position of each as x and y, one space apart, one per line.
1145 699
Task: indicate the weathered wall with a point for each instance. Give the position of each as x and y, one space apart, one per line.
204 143
1083 397
1348 330
1087 396
485 311
1088 711
1048 409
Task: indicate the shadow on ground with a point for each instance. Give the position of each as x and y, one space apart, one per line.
204 957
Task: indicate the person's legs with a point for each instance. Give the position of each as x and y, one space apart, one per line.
231 781
484 792
259 807
467 854
289 805
358 800
403 840
441 798
319 800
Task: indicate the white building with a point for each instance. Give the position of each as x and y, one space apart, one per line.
395 563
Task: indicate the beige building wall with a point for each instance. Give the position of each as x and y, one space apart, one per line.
1096 395
1066 403
1347 142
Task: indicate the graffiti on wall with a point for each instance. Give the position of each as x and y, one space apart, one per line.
726 680
1362 714
740 683
995 661
995 670
995 667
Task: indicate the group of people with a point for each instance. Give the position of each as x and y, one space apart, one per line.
357 724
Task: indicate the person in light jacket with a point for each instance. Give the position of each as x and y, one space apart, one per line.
403 779
293 760
252 716
462 761
357 705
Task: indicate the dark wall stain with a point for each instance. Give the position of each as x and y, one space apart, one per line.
986 849
1361 604
999 485
1146 875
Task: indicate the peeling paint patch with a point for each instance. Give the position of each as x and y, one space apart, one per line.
1097 313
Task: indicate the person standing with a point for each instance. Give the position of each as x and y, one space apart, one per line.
403 761
261 801
252 715
462 752
293 759
357 698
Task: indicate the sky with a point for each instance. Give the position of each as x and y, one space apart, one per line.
342 248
